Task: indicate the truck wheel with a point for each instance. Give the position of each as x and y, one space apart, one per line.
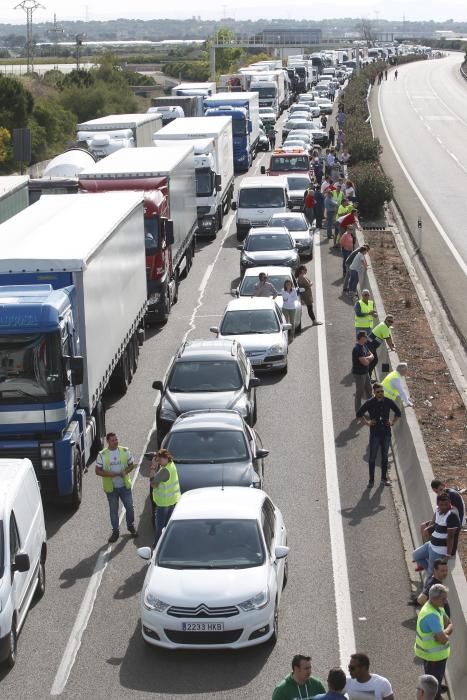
220 218
135 343
77 494
131 358
99 440
166 308
121 374
176 284
40 587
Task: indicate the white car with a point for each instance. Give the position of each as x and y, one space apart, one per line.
309 106
259 325
277 277
216 577
297 225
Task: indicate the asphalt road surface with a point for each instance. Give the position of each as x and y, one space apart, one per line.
348 583
421 119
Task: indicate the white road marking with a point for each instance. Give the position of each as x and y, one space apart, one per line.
84 613
441 118
455 253
453 155
438 140
344 620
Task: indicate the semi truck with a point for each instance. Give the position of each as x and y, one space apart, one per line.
14 195
192 105
214 167
166 179
270 86
106 135
243 108
205 89
73 299
61 174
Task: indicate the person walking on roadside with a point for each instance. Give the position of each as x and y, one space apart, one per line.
356 267
336 686
289 301
395 74
324 121
392 384
330 206
346 244
319 207
365 312
443 536
340 118
264 288
379 334
163 478
300 683
386 74
309 205
306 297
363 684
272 138
427 687
432 641
439 575
378 410
327 184
331 136
114 464
361 358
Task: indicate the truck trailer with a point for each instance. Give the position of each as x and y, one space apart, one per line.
14 195
192 105
73 299
166 179
214 167
61 174
106 135
243 108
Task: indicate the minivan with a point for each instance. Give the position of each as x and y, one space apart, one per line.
258 198
23 550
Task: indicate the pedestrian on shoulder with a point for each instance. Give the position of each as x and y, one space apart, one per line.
289 301
336 686
331 136
264 288
319 207
114 464
300 683
427 687
163 478
393 388
357 267
439 575
346 244
386 74
395 74
309 205
361 358
324 121
444 535
365 312
432 641
376 415
439 486
306 297
363 684
330 206
379 334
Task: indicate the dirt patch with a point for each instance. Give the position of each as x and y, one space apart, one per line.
438 405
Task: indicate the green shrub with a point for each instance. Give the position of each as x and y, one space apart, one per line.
372 186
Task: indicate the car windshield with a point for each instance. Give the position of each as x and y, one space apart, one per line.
30 366
207 446
291 162
298 183
205 376
248 321
292 223
268 241
211 544
261 197
247 286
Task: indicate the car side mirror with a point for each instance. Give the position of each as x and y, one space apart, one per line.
254 382
144 553
234 292
287 326
169 232
214 329
281 552
158 385
240 247
21 563
218 183
260 453
233 206
77 370
263 170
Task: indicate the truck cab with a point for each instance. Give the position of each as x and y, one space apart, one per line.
288 161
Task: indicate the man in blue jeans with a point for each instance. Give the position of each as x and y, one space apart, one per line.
378 410
114 465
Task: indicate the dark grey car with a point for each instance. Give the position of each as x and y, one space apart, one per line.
215 448
206 374
268 246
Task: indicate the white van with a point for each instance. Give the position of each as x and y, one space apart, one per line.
258 198
23 550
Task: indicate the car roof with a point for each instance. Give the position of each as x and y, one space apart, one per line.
263 181
209 349
261 230
208 419
289 215
249 303
232 502
269 270
12 472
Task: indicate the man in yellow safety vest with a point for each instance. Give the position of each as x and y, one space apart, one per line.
433 631
364 313
114 465
393 386
163 477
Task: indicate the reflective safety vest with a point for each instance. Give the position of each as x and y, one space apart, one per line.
426 647
107 481
389 390
381 331
365 321
167 493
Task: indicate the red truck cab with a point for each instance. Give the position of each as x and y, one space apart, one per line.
289 161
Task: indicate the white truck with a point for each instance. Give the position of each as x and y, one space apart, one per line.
14 195
61 174
106 135
73 300
269 84
212 141
192 105
205 89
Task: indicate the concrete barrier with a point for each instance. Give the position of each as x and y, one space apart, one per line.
415 474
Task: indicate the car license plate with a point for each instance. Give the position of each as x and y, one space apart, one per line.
202 626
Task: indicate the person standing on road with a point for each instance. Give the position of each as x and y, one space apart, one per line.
393 386
163 478
319 207
264 288
443 536
381 332
361 358
272 138
363 684
386 74
395 74
324 121
457 502
439 575
306 297
331 136
114 464
378 410
330 206
346 244
356 267
336 686
309 205
434 629
300 683
427 687
289 300
365 313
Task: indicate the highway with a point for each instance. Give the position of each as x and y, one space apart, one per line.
421 121
348 582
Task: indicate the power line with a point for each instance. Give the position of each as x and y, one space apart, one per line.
29 6
55 31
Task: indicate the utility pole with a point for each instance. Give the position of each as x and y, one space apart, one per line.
29 6
55 31
79 42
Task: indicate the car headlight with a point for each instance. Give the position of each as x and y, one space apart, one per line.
47 451
167 412
150 602
275 349
256 602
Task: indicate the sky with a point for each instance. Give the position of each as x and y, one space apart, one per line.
242 9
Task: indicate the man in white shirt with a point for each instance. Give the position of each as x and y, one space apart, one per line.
363 685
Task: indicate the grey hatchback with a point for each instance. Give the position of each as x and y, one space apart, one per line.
203 375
